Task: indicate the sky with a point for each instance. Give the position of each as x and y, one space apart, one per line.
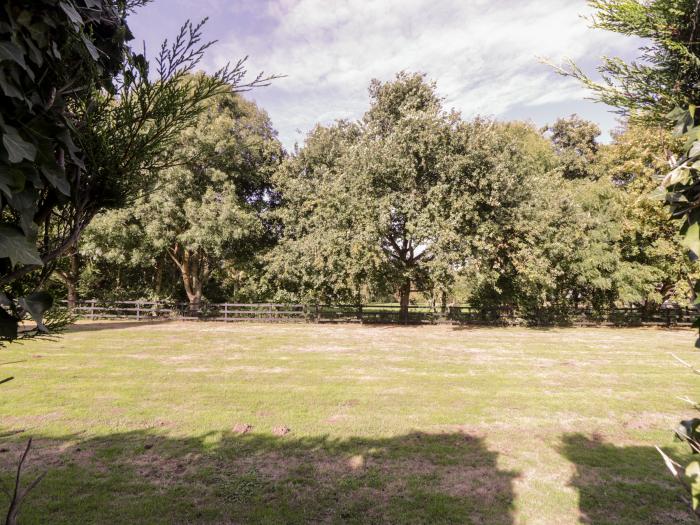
484 55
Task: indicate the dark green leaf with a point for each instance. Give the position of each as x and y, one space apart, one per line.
12 52
91 48
17 247
57 177
23 202
36 304
8 87
72 13
17 148
691 237
11 180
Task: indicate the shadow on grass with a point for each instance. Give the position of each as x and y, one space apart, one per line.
481 327
623 485
93 326
141 477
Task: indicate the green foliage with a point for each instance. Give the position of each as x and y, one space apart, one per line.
50 54
657 269
205 212
515 217
680 187
496 215
574 140
318 256
360 200
86 125
667 73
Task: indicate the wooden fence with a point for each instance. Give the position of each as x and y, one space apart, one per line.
155 310
384 313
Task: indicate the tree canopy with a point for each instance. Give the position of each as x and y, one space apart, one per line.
211 208
85 125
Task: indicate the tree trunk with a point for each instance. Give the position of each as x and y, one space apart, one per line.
443 302
158 285
404 297
194 271
72 294
73 277
70 277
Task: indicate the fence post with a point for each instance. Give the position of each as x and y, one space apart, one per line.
225 311
92 309
359 312
138 310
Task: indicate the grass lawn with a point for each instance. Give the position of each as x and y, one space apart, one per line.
249 423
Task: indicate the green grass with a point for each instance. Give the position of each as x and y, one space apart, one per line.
141 424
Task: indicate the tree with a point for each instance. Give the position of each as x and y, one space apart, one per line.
660 89
52 53
319 257
634 163
667 73
487 204
400 160
528 237
365 192
117 260
211 209
574 140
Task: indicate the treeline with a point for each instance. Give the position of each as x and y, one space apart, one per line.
410 203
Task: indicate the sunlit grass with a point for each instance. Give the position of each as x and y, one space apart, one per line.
206 422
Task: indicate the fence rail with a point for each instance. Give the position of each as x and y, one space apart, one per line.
383 313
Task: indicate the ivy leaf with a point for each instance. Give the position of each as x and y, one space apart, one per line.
659 194
72 13
23 203
11 180
691 237
57 177
91 48
17 148
12 52
8 88
681 174
695 149
17 247
36 304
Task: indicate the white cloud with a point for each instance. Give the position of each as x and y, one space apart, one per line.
483 54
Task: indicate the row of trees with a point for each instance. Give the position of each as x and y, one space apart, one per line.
411 200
